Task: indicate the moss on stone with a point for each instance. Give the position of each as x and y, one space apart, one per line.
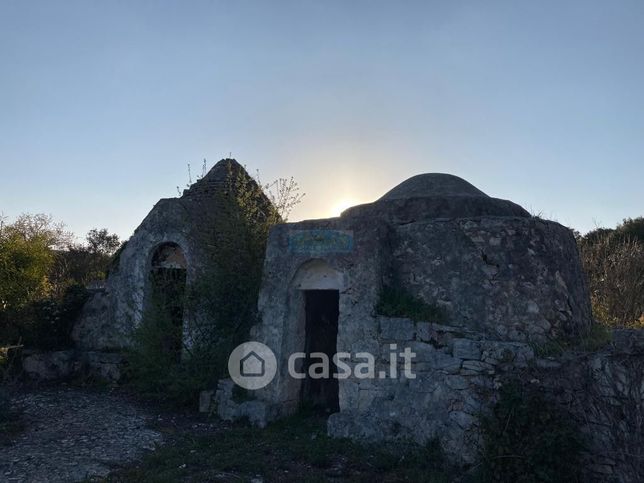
396 302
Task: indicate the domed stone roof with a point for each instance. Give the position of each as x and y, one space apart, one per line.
432 184
434 195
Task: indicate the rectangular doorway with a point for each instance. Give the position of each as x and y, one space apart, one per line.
322 308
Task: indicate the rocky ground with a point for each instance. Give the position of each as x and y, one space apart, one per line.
67 433
71 434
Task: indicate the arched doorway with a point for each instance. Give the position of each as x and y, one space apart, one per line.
166 295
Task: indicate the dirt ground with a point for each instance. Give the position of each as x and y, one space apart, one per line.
69 433
64 433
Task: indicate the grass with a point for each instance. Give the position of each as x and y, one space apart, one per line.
293 449
530 439
597 337
396 302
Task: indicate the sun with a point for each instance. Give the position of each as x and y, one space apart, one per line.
342 204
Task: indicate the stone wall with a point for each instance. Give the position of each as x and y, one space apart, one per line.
512 278
604 393
67 364
108 319
191 223
281 302
456 373
508 284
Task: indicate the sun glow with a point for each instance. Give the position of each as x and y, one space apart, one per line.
341 205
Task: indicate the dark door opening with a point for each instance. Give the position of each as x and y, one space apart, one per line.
321 335
166 298
168 292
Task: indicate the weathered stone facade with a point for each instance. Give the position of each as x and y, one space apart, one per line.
176 234
495 271
456 375
507 282
604 393
60 365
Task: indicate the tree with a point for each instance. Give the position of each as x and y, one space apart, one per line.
102 242
42 278
24 265
283 193
27 256
632 228
43 228
81 264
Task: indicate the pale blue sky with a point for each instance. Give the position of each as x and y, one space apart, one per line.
103 103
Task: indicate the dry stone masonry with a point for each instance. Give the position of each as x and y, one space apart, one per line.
502 283
176 236
507 283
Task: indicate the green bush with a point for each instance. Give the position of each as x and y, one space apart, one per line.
44 324
395 302
614 264
529 439
54 320
158 371
42 272
597 337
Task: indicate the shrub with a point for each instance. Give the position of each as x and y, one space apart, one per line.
56 319
527 438
598 336
595 339
156 368
81 264
44 324
614 264
41 276
395 302
26 258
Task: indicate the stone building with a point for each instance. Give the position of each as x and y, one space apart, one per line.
497 285
503 284
169 251
502 279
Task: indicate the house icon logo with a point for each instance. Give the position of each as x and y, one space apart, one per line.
252 365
